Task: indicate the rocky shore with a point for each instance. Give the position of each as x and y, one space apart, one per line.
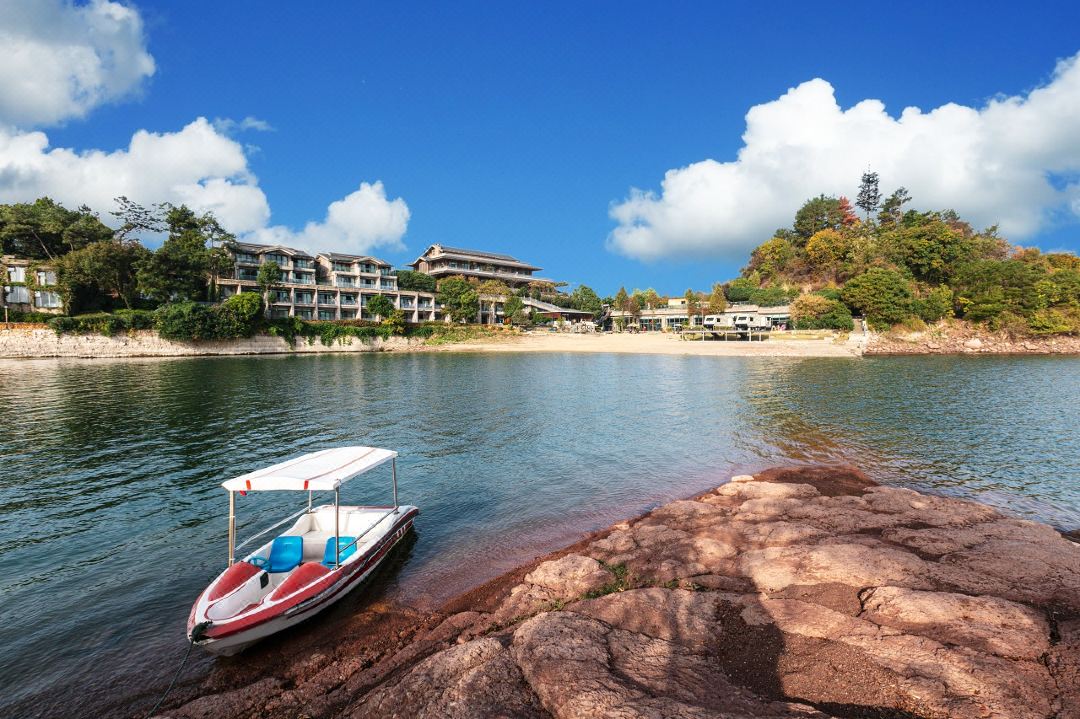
955 337
807 592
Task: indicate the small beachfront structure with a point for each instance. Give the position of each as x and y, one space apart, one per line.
674 317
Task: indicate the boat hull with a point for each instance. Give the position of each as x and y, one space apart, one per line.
228 638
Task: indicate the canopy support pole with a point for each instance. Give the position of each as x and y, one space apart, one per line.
309 501
232 525
393 473
337 531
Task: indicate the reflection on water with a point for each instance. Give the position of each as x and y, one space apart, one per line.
112 520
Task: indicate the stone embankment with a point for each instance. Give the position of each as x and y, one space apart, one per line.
802 593
41 342
961 338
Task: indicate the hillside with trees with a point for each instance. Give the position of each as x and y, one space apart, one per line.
894 264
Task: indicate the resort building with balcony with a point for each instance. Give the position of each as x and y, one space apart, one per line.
327 286
28 286
441 261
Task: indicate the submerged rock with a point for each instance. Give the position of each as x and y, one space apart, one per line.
796 593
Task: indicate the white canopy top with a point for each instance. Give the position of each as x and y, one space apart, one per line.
317 471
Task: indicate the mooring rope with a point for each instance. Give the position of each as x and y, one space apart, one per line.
196 634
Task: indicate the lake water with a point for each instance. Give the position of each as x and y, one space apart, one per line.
112 519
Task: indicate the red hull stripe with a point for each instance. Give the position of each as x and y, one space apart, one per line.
322 590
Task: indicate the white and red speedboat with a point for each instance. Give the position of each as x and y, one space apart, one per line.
327 551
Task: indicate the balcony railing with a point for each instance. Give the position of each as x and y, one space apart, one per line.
344 283
327 300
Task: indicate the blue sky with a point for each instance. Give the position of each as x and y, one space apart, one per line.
516 127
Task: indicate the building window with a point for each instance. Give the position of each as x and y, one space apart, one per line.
247 257
348 300
281 260
348 314
46 278
304 264
326 298
18 295
304 298
281 296
385 285
345 282
342 266
278 312
46 300
247 275
16 274
327 315
305 314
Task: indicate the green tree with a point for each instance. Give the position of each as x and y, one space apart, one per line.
238 316
738 290
459 298
183 267
45 230
415 281
395 322
89 277
585 299
381 306
869 194
268 278
693 306
882 296
819 213
928 247
892 209
651 299
514 311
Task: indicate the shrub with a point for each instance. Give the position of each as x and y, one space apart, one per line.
103 323
771 296
882 296
937 304
1055 321
238 316
815 312
185 321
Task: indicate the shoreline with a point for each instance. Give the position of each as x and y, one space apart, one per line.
795 564
948 339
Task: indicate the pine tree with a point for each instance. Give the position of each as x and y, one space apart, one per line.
869 194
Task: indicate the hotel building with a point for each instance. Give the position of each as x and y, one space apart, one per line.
441 261
326 286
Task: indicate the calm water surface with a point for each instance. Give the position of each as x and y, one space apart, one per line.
112 519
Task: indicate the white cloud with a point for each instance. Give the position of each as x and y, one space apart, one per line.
60 60
996 164
197 166
228 126
364 220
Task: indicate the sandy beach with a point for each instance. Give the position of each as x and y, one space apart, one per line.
659 343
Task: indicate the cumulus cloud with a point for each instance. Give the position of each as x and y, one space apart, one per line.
1012 162
60 60
364 220
197 166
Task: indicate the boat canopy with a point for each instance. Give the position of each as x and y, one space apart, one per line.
317 471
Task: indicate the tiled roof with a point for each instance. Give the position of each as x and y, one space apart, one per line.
261 249
340 257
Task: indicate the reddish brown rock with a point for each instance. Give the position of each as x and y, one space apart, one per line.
805 592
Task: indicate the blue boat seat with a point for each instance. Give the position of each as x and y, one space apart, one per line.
348 548
285 554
